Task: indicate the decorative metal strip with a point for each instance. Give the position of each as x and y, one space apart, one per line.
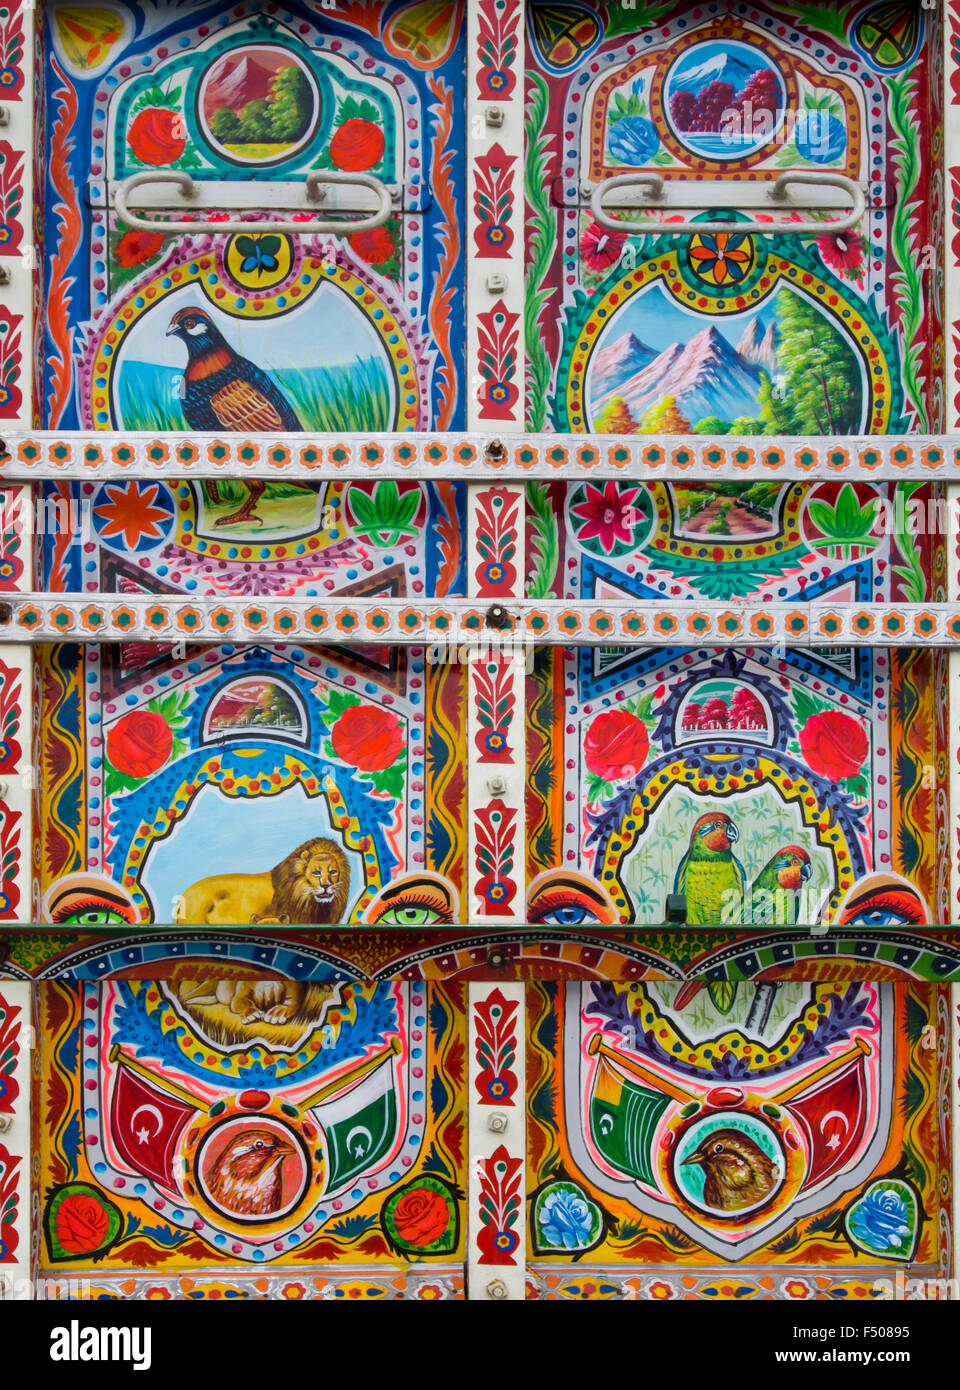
496 1250
495 206
496 766
477 457
468 630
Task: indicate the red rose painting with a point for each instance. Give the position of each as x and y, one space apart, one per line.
420 1217
834 745
366 738
157 135
139 743
357 145
616 745
81 1223
376 247
134 248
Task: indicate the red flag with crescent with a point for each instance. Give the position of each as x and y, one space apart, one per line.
833 1115
146 1124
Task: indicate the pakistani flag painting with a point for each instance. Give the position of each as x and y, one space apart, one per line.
624 1115
359 1126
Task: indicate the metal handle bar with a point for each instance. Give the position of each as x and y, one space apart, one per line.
317 185
773 196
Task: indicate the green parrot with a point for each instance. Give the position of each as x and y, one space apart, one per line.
709 876
775 892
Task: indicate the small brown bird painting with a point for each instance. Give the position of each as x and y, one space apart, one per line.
247 1178
736 1171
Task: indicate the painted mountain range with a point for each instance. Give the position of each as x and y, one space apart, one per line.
237 83
720 67
706 376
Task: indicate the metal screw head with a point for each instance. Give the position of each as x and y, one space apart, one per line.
496 958
5 1122
493 115
497 786
497 1289
496 283
6 612
498 617
497 1123
495 451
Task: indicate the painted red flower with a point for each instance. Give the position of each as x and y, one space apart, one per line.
139 743
842 251
157 135
82 1224
607 515
600 248
420 1217
616 745
134 248
376 247
358 144
834 745
368 739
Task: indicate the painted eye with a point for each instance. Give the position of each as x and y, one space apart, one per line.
411 916
258 1144
878 917
569 915
718 1148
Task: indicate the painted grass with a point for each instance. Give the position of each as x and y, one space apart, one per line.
146 408
340 399
355 398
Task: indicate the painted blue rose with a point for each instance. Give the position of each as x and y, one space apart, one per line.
565 1219
633 140
821 138
881 1221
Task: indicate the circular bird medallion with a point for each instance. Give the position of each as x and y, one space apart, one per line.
252 1169
728 1163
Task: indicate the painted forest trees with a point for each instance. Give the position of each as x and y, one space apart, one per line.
615 418
818 379
280 118
664 418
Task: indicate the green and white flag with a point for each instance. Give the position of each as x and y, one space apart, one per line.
360 1126
623 1120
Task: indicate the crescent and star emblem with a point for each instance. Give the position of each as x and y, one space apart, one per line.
143 1134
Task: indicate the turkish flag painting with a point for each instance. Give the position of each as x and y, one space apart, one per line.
833 1115
146 1124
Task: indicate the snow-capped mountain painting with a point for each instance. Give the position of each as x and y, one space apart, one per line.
722 66
660 351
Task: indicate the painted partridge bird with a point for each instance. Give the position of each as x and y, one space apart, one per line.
247 1177
736 1171
221 390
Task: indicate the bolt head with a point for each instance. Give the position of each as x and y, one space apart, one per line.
497 1289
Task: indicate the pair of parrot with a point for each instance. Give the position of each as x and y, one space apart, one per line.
713 881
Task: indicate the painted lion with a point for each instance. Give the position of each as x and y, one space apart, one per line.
308 888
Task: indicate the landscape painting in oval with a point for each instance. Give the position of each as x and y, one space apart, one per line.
258 105
659 369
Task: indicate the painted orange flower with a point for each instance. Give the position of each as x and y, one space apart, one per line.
723 257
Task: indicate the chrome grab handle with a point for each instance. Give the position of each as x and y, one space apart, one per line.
773 196
317 183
